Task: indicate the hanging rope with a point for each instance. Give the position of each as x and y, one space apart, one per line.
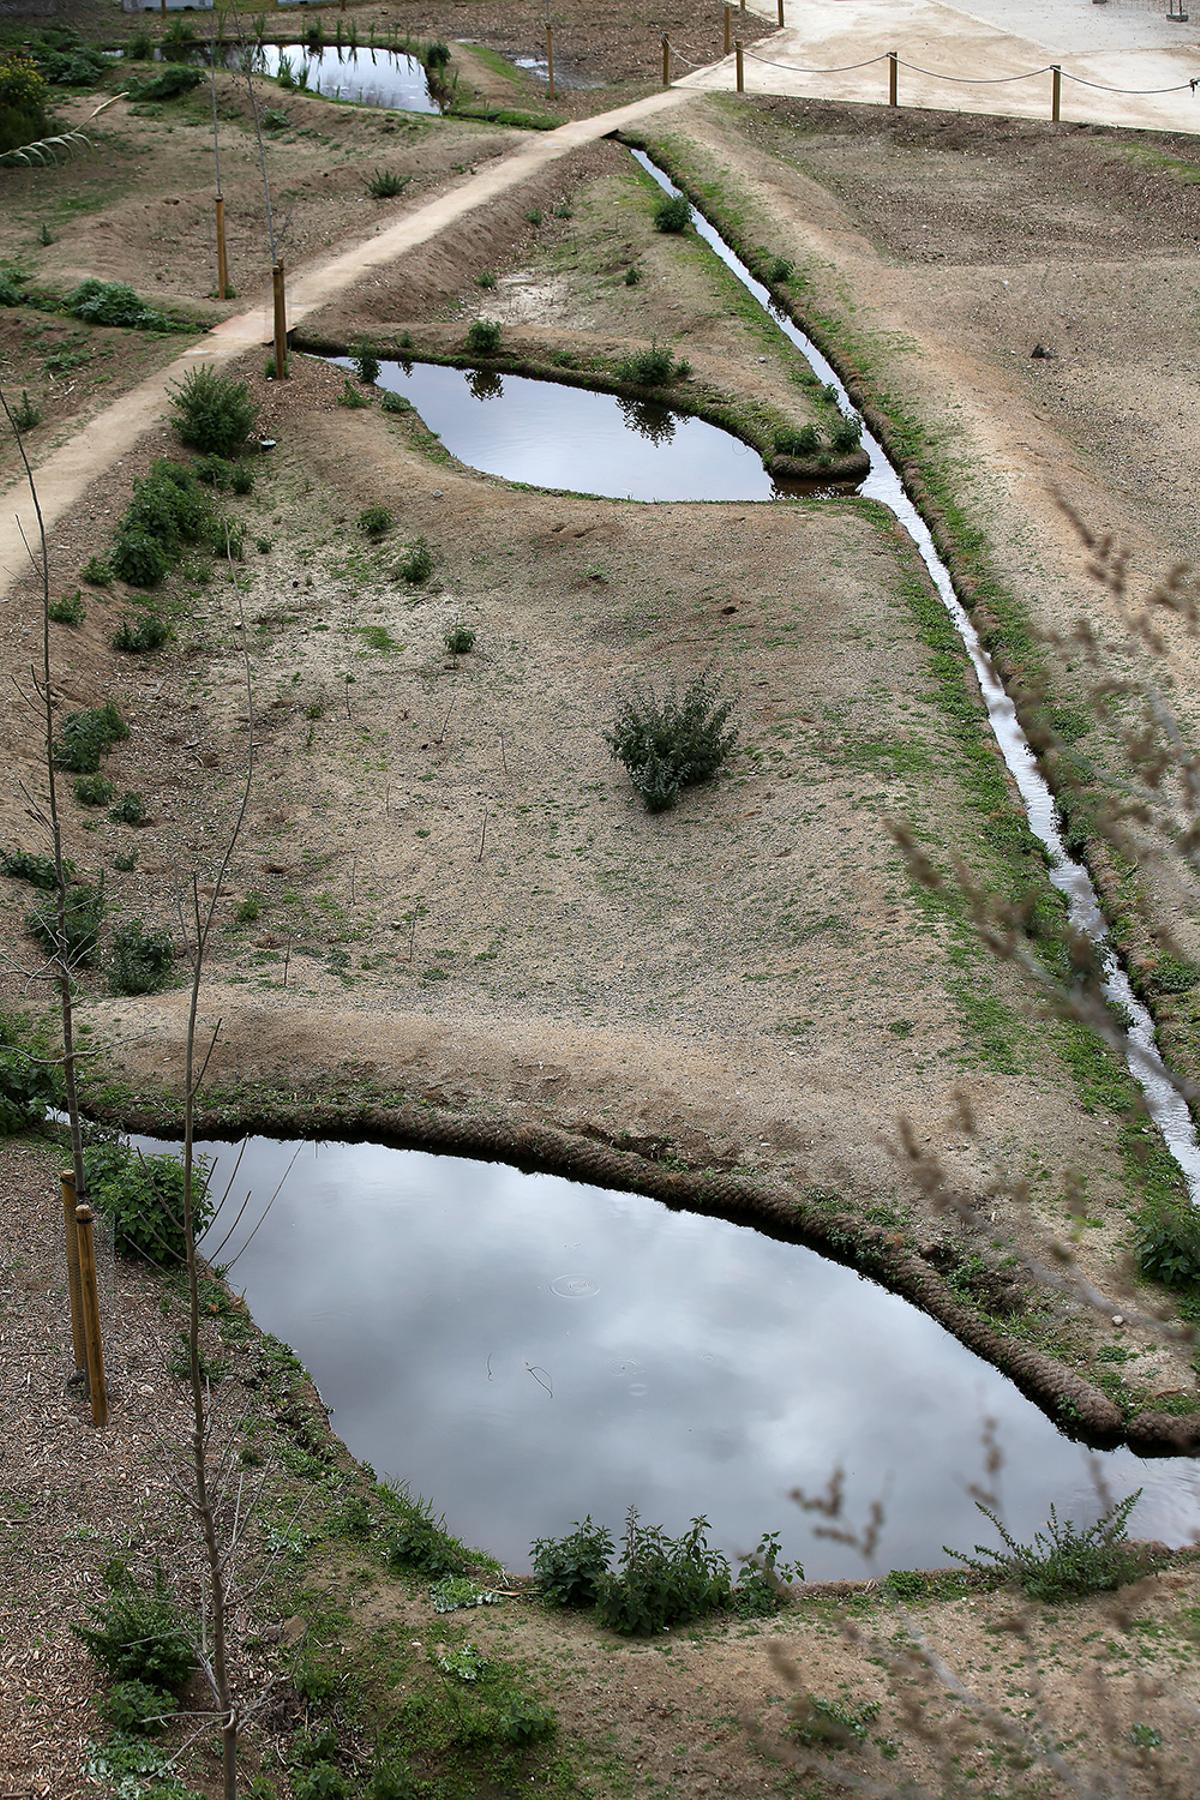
972 80
796 70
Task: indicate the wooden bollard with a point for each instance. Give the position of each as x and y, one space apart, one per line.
222 263
549 59
741 67
893 79
666 60
280 321
779 9
1055 92
78 1341
93 1344
728 31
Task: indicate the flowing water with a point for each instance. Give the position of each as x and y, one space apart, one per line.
525 1350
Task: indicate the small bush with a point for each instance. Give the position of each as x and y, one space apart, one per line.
215 471
394 403
140 559
672 743
534 216
523 1720
1167 1243
83 916
213 413
417 1542
569 1569
804 441
275 119
97 571
175 79
85 736
138 634
25 415
129 810
384 184
633 275
459 638
437 55
1063 1563
322 1782
366 365
662 1580
352 397
416 565
134 1707
833 1724
139 1634
140 960
113 303
653 367
375 521
27 865
483 337
29 1078
846 435
761 1577
779 270
139 47
93 790
672 214
485 279
169 509
69 609
142 1197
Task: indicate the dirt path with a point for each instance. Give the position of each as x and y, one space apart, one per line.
65 475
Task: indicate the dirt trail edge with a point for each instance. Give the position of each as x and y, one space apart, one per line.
64 476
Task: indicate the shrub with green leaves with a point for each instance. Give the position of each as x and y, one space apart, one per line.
833 1724
86 736
322 1782
175 79
569 1569
23 99
28 865
140 961
29 1076
135 1707
142 1197
138 633
778 269
113 303
762 1578
394 403
1167 1242
672 214
653 367
416 565
93 790
168 511
366 364
846 435
804 440
459 638
97 571
215 471
384 184
662 1581
83 914
483 337
1063 1562
674 742
25 414
140 1634
437 55
375 521
213 413
68 609
140 559
417 1542
130 809
352 397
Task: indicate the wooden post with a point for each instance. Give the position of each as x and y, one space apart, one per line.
728 32
549 59
222 264
780 13
78 1340
741 67
666 60
1055 92
893 79
280 322
97 1387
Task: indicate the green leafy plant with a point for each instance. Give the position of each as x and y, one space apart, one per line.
804 440
366 364
483 337
140 1634
27 865
113 303
215 471
466 1662
672 214
1167 1242
83 914
168 510
633 275
169 83
416 564
846 434
25 415
762 1577
352 397
833 1724
394 403
23 99
416 1541
140 559
97 571
275 119
384 184
140 961
437 55
569 1569
662 1581
674 742
212 412
85 737
135 1707
29 1076
136 634
459 638
93 790
142 1197
653 367
485 279
130 809
524 1720
1062 1562
322 1782
69 609
375 521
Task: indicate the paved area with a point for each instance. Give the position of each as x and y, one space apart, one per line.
1113 43
64 475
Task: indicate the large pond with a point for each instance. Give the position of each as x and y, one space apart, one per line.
525 1350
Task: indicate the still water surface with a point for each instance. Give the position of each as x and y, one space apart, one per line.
525 1350
370 77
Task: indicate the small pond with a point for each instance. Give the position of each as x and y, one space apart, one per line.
388 78
549 435
525 1350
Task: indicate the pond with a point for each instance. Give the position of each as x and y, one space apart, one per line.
388 78
524 1349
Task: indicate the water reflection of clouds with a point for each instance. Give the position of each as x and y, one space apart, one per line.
713 1370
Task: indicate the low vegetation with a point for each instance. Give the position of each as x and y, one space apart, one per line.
1063 1562
142 1198
672 742
213 413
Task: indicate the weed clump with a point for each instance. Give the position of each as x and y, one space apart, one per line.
483 337
1062 1563
672 214
662 1581
83 914
134 1707
86 736
137 635
140 960
97 571
93 790
1167 1243
570 1569
129 810
352 397
142 1197
653 367
366 365
846 435
802 441
375 521
139 1634
69 609
113 303
29 1079
671 743
213 413
25 414
459 638
384 184
175 79
416 565
833 1724
394 403
169 510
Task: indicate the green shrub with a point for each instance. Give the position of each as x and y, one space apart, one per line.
417 1542
275 119
833 1724
416 565
83 914
352 397
29 1077
85 736
569 1569
93 790
215 471
213 413
23 100
672 743
761 1577
459 638
437 55
1172 975
140 961
68 609
139 633
142 1197
139 559
366 364
483 337
485 279
375 521
523 1720
633 275
323 1782
134 1707
69 64
139 47
383 184
804 441
178 40
169 509
1063 1563
394 403
130 809
175 79
672 214
778 270
1167 1242
653 367
113 303
846 434
97 571
25 415
662 1581
27 865
140 1634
